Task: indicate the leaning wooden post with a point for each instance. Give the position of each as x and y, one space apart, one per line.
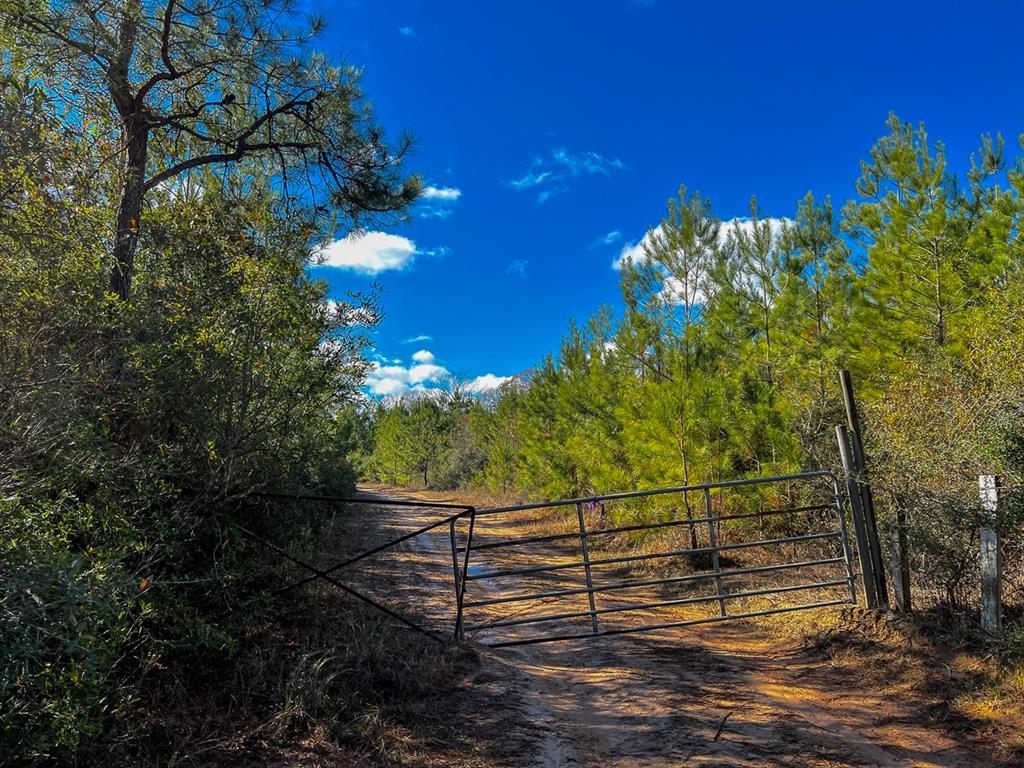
867 576
864 488
991 559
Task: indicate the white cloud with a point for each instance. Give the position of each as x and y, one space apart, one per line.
586 162
434 212
438 202
634 251
612 237
370 252
560 164
441 250
397 379
546 194
518 268
388 380
427 372
423 356
421 337
487 383
373 252
407 32
441 193
531 179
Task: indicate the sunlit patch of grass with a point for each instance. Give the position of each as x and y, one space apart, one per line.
998 706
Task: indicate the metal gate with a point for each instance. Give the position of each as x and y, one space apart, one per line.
630 562
649 560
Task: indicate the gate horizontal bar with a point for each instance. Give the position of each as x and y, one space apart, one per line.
669 625
653 582
659 604
646 527
654 556
661 491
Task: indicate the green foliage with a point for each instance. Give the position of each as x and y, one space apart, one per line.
133 433
429 439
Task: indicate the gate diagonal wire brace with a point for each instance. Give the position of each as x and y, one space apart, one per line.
325 574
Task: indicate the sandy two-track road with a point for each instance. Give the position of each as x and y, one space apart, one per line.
711 695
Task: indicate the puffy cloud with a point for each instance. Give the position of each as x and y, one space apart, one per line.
369 252
397 379
486 383
634 251
441 193
424 372
518 268
388 380
423 356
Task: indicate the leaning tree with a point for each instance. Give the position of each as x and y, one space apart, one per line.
189 84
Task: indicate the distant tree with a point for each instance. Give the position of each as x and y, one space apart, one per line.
188 85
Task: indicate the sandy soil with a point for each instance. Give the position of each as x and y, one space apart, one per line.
710 695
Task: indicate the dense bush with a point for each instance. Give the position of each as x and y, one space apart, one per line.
133 434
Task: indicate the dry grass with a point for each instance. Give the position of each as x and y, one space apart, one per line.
321 680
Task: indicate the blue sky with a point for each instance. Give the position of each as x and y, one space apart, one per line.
552 133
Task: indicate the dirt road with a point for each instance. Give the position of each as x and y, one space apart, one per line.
711 695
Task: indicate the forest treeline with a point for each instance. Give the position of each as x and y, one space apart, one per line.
725 361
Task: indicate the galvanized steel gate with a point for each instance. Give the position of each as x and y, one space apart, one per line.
736 559
634 562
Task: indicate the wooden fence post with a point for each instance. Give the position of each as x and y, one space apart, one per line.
897 540
991 559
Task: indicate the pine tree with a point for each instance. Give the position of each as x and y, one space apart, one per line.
916 225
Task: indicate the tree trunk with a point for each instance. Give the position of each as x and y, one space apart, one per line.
135 135
129 210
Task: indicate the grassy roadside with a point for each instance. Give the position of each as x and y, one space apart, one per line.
318 679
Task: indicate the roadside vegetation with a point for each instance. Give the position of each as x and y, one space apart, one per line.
166 171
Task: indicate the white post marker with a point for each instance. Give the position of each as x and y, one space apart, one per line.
991 560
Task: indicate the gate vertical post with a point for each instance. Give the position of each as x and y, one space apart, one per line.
864 488
868 582
458 580
844 538
713 534
991 558
586 566
461 571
